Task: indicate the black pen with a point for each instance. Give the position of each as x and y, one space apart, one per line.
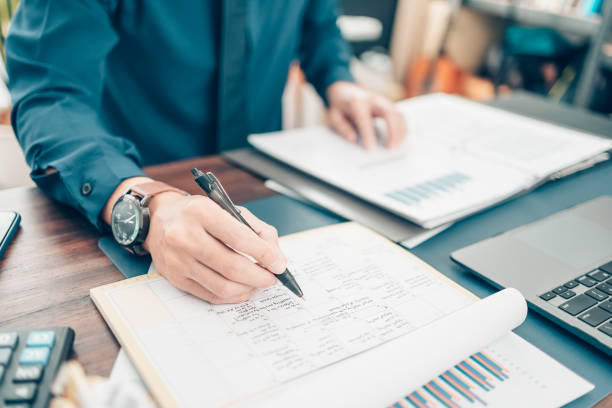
215 191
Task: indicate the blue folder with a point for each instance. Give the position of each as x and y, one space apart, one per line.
291 216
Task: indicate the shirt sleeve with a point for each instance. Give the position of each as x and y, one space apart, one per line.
55 58
325 55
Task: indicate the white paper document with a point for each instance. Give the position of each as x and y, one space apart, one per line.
409 243
376 323
124 372
460 156
515 374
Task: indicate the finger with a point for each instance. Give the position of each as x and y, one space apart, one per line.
403 129
396 125
342 126
361 114
230 231
215 282
266 231
181 270
231 265
195 243
194 288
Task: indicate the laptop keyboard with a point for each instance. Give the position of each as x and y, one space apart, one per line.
594 305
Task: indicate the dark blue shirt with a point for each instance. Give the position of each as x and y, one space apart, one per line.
103 87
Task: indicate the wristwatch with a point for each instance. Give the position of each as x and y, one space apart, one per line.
130 215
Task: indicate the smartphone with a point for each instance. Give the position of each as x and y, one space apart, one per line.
9 222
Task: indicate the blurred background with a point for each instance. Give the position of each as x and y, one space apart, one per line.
561 49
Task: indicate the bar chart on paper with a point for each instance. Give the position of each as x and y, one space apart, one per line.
498 376
475 157
465 384
429 189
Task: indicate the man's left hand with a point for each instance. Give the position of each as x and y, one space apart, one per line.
351 113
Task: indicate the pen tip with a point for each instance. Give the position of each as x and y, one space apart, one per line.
289 281
196 172
295 289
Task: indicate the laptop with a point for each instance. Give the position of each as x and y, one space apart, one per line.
562 264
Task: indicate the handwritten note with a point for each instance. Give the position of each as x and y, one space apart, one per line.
360 292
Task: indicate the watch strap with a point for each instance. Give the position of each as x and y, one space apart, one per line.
144 192
150 189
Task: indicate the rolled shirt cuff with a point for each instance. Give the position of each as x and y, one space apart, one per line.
89 185
339 73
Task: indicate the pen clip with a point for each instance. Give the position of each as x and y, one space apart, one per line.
217 187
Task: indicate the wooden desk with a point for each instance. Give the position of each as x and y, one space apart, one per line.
54 260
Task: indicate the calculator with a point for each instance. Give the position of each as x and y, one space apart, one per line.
29 361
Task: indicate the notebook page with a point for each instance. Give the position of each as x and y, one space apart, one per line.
510 372
460 156
361 292
419 181
498 136
384 374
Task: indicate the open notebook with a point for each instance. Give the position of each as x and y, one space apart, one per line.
375 326
460 157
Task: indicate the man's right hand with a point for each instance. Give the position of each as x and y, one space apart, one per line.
195 244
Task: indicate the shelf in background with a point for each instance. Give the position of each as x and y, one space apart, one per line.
567 23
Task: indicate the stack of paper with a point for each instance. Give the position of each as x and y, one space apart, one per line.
460 157
376 324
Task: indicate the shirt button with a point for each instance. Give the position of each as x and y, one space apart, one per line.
86 189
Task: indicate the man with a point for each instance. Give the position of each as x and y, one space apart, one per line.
101 87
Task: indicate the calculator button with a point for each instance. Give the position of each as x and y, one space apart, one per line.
606 328
20 392
596 294
578 304
586 281
8 340
28 373
34 355
571 284
2 370
595 316
599 275
559 290
5 356
547 296
41 339
568 294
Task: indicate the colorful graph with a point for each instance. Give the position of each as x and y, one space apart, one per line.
466 384
429 189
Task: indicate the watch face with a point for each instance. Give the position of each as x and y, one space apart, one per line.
125 221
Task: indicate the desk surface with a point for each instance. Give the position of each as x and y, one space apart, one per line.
54 260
